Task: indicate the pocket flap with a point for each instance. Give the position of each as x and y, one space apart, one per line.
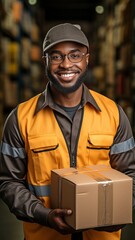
99 140
46 141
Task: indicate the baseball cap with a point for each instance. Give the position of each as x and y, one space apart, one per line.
62 33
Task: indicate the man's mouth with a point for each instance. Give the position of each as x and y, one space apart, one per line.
67 76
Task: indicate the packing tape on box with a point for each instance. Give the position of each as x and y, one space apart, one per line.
105 198
105 193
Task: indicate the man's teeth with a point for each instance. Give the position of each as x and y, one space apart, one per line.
67 75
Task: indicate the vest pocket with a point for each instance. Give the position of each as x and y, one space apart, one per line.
98 147
43 156
45 149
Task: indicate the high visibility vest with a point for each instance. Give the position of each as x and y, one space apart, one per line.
47 150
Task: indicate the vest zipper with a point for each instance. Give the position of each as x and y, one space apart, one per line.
73 162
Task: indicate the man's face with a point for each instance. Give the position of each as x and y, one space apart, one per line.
64 71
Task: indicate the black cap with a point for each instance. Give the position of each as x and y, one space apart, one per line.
62 33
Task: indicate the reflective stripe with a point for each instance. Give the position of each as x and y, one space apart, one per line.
14 152
40 191
123 146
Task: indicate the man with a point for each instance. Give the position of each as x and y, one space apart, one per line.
65 126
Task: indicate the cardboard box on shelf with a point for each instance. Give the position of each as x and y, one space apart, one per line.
98 196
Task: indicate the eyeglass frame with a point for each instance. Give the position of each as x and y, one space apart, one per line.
47 55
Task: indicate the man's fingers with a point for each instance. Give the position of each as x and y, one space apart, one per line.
69 212
56 220
64 212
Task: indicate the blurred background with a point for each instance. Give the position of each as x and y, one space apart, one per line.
110 28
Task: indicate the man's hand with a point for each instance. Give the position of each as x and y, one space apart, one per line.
56 220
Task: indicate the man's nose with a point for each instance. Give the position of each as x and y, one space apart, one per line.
66 62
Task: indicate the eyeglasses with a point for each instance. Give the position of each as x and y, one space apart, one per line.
73 57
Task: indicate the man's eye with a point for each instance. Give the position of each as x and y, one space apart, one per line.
56 57
75 55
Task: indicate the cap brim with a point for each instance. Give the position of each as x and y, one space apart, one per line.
64 40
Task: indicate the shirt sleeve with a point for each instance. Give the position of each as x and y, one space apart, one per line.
13 169
122 153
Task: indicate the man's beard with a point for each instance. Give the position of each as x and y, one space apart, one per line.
62 89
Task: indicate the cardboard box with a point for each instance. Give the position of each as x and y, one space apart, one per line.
98 196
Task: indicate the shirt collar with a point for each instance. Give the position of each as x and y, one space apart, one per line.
88 98
45 99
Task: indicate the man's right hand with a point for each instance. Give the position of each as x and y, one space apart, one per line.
56 220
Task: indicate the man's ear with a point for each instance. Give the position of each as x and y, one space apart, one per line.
45 60
87 58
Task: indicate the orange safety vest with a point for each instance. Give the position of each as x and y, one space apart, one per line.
47 150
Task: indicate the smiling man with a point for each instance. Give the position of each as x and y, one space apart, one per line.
67 125
63 75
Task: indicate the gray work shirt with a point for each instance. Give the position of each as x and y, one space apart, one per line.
12 140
